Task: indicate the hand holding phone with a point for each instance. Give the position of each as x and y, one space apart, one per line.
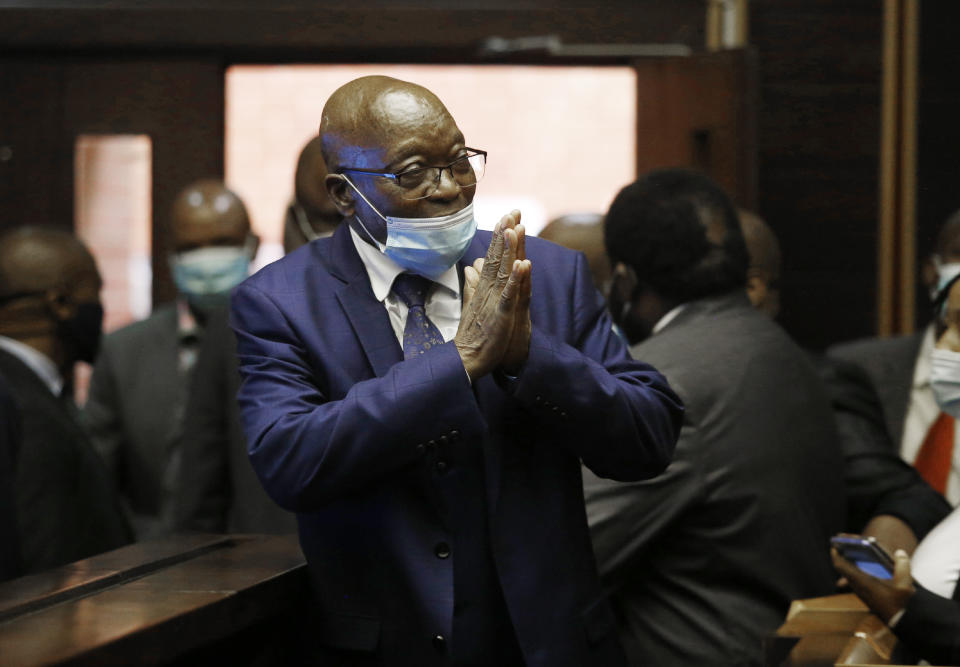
865 553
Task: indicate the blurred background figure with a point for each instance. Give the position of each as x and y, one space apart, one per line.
886 498
50 318
218 491
9 454
583 232
763 275
703 561
139 384
921 603
311 215
900 370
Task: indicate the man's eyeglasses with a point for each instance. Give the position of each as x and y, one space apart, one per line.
424 181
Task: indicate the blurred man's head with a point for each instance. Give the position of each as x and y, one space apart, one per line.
673 237
944 263
763 275
212 242
50 294
312 213
583 232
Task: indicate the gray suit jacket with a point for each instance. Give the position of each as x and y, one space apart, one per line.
703 561
889 362
134 414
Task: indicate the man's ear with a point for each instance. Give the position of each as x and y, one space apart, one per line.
756 288
341 194
61 305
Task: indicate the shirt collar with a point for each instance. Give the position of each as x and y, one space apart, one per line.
921 370
382 270
36 361
667 318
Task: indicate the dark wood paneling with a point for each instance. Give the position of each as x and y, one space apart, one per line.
699 112
819 137
337 31
938 136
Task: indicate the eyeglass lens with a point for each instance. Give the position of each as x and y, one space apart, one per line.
422 183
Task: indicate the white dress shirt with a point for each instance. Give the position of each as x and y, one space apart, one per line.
36 361
936 562
443 300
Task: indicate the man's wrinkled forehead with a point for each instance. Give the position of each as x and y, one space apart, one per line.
382 127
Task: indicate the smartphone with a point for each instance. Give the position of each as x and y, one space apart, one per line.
865 553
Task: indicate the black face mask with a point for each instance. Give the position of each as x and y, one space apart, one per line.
82 331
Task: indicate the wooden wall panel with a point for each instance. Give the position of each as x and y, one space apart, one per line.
818 138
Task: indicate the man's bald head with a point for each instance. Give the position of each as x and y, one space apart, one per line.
583 232
763 276
206 213
34 260
367 114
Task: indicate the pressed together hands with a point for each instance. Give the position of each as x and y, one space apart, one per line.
494 330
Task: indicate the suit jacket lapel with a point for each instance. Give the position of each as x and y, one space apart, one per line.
368 317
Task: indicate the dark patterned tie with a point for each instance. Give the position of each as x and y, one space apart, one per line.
419 334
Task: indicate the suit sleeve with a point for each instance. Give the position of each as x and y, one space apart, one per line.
618 415
309 449
877 480
101 414
930 627
625 518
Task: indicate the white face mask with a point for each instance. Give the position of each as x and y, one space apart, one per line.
425 246
945 273
210 270
945 380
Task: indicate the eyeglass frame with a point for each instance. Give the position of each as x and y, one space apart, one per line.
395 176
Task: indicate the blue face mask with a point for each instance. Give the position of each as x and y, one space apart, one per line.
210 271
425 246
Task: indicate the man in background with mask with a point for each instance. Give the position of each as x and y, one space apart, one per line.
901 371
139 385
50 317
424 408
311 215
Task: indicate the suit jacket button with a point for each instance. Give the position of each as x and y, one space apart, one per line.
421 448
441 466
443 440
440 643
442 550
432 444
454 435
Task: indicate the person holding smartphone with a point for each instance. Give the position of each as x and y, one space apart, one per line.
921 603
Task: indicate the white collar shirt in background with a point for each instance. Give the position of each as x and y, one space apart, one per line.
922 411
936 562
443 301
36 361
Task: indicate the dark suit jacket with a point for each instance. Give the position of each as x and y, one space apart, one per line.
877 480
889 362
703 561
134 414
66 505
218 490
348 434
10 565
930 627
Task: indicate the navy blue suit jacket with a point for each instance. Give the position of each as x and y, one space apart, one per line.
345 432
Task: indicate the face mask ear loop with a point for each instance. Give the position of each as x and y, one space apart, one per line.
356 217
